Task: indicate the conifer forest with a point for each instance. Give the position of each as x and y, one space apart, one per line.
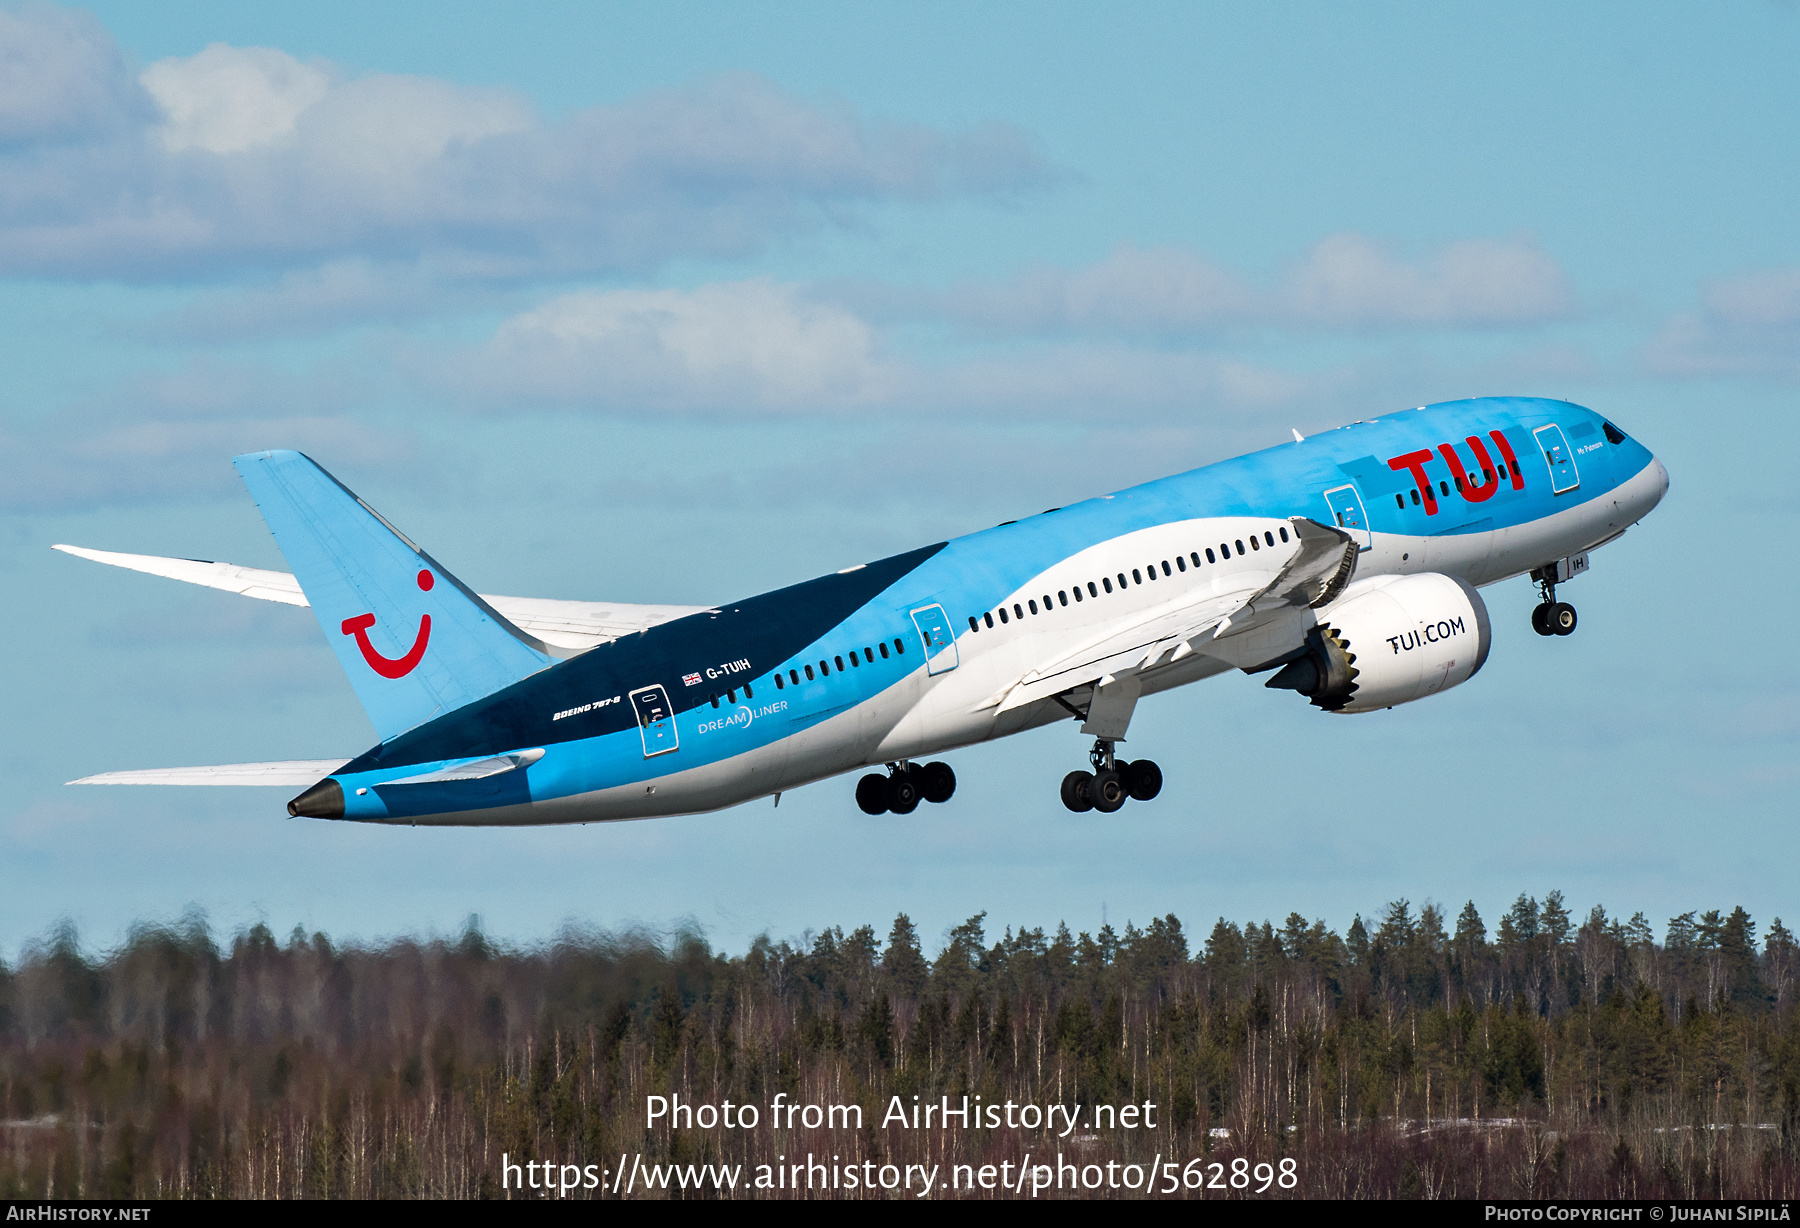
1540 1053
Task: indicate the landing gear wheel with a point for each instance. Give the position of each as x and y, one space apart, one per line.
902 792
1078 791
1143 779
937 782
1561 618
1108 791
1540 619
871 794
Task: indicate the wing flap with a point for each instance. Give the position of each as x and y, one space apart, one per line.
288 774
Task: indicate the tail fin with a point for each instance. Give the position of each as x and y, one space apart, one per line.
414 640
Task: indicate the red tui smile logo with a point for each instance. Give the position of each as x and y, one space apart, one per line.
397 667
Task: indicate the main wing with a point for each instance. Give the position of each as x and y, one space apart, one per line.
577 625
1318 570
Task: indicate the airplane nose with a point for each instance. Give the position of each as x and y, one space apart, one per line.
1662 477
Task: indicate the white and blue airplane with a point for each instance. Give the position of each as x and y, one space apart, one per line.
1345 566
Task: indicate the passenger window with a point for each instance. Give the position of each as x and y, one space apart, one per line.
1017 612
1444 489
1091 591
1240 546
825 668
1502 471
1047 603
1077 591
1003 617
854 659
883 647
1135 575
1254 544
748 693
809 673
869 655
1166 566
986 618
1180 563
715 700
1062 596
1209 557
794 676
1033 606
1487 476
1106 583
731 695
1400 502
1415 495
1284 535
900 648
1268 537
778 684
1224 551
840 663
1122 584
973 625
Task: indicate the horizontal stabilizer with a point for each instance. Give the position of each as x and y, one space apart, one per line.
288 774
473 769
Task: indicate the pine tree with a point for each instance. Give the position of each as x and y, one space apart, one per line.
903 964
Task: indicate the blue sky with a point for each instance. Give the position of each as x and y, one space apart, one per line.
680 303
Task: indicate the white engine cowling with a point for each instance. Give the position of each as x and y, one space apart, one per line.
1390 640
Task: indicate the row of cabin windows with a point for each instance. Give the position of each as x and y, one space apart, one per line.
731 695
856 662
976 622
1444 487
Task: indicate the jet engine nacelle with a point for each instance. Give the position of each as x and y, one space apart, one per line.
1390 640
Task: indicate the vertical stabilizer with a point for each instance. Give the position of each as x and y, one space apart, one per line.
415 642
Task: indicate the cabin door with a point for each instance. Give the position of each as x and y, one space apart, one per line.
939 640
1347 514
656 720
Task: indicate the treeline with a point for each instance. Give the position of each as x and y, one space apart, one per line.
1410 1056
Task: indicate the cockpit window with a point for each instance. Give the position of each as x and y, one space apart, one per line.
1613 434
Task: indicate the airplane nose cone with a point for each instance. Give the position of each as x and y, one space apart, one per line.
1662 479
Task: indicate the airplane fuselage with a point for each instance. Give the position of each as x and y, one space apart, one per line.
939 648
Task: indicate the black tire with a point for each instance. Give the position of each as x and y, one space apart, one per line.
1540 619
937 782
1144 780
1561 618
903 792
871 794
1077 791
1108 791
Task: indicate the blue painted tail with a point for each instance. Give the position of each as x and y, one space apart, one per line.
415 642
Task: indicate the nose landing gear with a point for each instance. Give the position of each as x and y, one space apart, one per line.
904 787
1551 617
1112 781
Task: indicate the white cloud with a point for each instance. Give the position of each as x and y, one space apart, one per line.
61 77
1346 281
229 99
748 345
1746 325
1351 280
247 156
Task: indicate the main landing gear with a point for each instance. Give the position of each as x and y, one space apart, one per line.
1111 782
1551 617
905 785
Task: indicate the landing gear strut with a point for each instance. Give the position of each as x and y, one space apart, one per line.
1112 781
905 785
1551 617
